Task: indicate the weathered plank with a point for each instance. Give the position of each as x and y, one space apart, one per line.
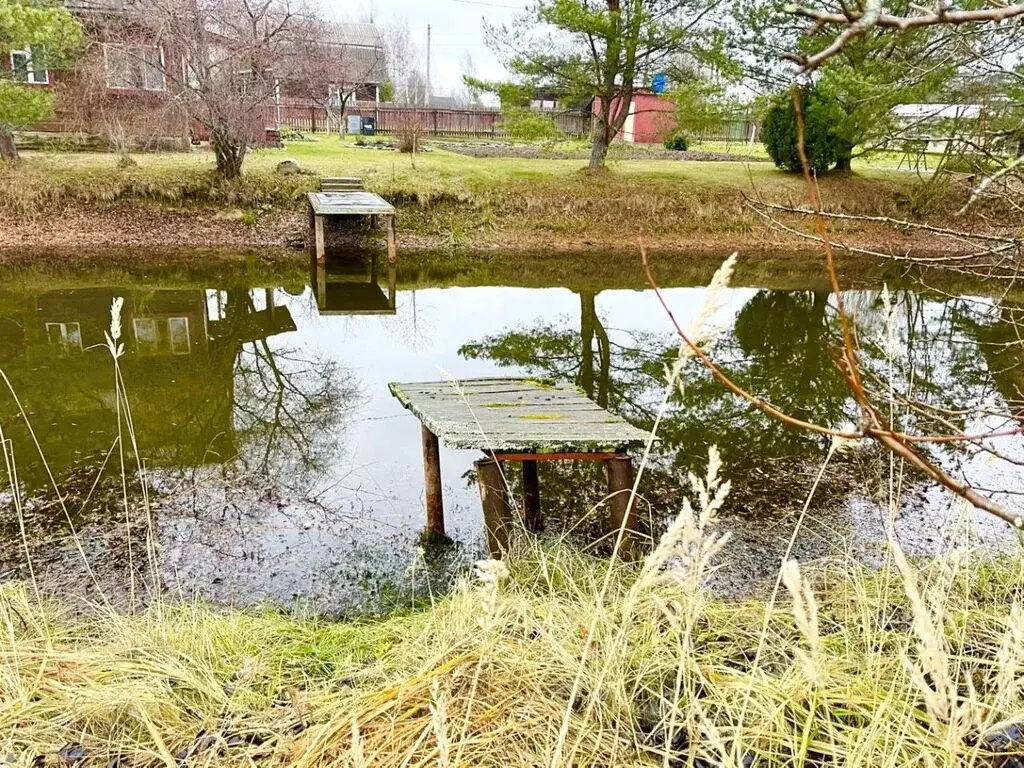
353 203
340 183
516 415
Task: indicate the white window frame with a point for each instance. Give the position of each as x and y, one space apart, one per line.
31 73
65 342
147 346
161 332
189 75
134 49
188 336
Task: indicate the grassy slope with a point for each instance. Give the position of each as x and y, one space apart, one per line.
451 200
486 677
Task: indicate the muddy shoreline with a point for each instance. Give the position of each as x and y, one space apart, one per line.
138 226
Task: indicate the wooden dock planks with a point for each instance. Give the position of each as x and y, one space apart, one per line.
350 202
518 416
525 421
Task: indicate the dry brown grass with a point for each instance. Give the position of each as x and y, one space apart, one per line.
476 681
458 201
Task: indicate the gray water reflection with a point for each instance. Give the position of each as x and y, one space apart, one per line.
281 469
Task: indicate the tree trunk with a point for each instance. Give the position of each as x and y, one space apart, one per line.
598 150
8 151
588 317
230 155
845 156
602 135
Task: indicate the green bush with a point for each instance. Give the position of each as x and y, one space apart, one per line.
292 134
821 116
527 125
676 142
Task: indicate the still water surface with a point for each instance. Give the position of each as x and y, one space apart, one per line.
280 469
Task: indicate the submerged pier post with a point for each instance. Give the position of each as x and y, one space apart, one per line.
392 240
531 497
619 473
392 285
432 476
498 520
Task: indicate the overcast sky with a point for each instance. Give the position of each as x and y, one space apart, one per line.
456 29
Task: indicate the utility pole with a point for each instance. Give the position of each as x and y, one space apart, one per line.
427 98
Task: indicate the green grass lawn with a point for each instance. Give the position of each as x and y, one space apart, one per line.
332 156
449 199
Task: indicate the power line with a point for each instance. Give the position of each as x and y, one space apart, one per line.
491 5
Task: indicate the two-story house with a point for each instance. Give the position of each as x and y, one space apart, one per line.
123 91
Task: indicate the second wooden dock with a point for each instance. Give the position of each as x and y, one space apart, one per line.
350 202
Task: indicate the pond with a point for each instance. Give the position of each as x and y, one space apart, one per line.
278 469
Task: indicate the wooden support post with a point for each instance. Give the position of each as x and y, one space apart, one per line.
318 227
498 520
392 245
531 497
432 476
619 472
321 286
392 286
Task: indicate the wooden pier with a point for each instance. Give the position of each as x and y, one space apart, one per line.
518 421
342 294
346 197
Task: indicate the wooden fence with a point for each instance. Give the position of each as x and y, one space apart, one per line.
479 123
735 132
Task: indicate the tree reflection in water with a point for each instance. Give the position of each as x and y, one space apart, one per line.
240 423
780 346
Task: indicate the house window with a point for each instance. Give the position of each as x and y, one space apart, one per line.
138 67
190 75
177 330
27 66
65 336
160 335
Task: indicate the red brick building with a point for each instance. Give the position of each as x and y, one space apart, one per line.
121 91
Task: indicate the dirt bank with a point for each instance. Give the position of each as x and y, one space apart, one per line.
443 228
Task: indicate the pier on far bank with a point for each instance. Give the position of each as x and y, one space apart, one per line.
521 421
343 196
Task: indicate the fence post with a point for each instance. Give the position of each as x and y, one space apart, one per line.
312 119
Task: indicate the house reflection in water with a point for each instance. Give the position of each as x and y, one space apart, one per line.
352 287
178 368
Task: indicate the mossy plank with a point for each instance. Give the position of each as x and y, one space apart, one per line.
518 415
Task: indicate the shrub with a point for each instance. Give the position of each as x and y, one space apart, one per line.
821 116
291 134
676 142
526 125
409 134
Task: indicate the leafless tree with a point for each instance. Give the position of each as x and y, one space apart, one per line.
327 69
125 118
404 64
467 95
224 60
